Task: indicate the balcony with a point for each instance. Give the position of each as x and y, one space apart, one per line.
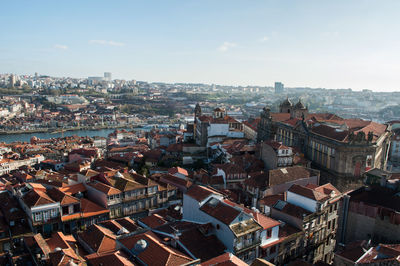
246 244
332 215
136 197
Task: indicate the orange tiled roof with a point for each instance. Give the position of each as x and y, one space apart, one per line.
106 189
224 259
100 239
156 253
73 189
36 198
61 197
88 208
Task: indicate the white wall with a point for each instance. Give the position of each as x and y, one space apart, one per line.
217 130
298 200
220 172
192 212
274 236
235 134
97 196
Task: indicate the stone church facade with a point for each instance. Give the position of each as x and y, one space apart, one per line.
344 147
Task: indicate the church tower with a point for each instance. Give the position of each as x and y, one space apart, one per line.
197 113
264 130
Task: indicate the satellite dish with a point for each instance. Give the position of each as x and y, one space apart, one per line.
140 246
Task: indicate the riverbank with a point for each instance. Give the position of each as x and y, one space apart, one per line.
60 130
26 137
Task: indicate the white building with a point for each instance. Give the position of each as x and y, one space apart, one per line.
233 226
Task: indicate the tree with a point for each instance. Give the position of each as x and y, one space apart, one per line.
144 170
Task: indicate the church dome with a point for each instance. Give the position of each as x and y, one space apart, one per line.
300 105
287 103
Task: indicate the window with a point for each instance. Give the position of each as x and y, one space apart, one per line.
272 250
46 215
269 233
54 213
38 216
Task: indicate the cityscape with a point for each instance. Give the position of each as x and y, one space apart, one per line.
205 167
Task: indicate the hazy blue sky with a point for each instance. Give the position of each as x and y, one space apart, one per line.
332 44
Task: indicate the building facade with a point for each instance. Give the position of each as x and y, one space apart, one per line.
345 147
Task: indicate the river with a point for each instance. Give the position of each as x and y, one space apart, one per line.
82 133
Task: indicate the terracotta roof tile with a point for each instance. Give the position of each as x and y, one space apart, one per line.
100 239
36 198
106 189
202 246
156 253
291 209
278 117
61 197
89 208
179 170
227 259
57 240
308 193
200 193
220 211
153 221
117 258
73 189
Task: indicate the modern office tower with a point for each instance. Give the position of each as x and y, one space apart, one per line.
107 76
279 87
12 80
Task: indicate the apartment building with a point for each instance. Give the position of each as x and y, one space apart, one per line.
313 210
236 229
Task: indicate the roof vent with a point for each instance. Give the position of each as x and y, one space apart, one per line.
139 247
119 175
122 231
280 204
213 202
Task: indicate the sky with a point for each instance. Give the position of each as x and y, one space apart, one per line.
307 43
